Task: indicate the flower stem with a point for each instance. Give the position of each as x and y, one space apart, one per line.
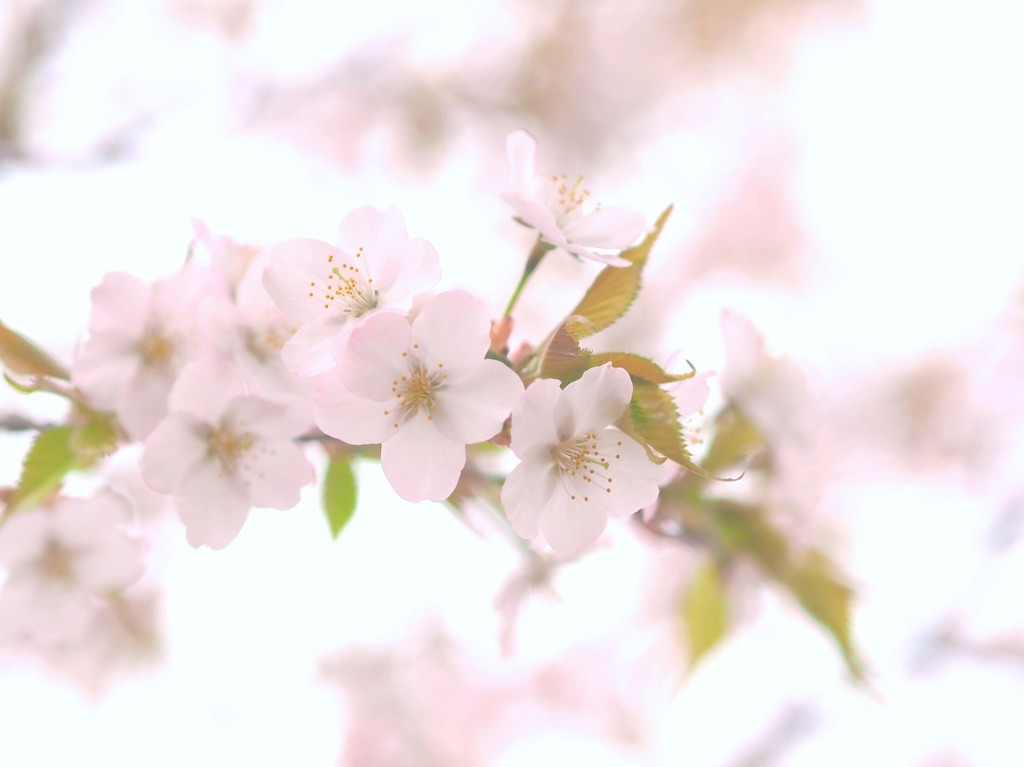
540 248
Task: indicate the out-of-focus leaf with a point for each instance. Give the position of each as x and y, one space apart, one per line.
47 463
616 287
339 494
563 358
736 439
21 356
655 418
93 439
705 612
640 367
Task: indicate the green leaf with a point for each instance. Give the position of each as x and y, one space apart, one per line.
339 494
563 358
47 463
616 287
21 356
640 367
94 439
656 420
736 439
704 612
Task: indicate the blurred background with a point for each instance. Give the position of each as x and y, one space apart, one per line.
845 173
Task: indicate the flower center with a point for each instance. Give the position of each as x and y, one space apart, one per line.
228 446
55 561
416 391
584 468
567 199
349 287
155 349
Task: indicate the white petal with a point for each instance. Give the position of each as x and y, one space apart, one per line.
539 217
205 387
608 259
634 476
616 227
298 268
533 420
264 418
476 408
378 233
23 537
347 417
103 365
453 330
213 505
420 463
372 360
82 523
119 303
568 525
413 269
274 473
691 394
599 397
116 564
143 402
173 449
309 351
521 148
528 490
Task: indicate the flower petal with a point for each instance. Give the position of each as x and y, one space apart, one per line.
301 275
528 490
568 525
634 477
23 537
120 302
116 564
309 351
595 400
173 449
452 330
143 402
274 473
213 505
375 356
533 420
522 149
615 228
421 463
476 408
343 415
205 387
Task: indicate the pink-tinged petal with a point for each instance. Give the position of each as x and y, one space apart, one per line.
58 613
274 473
116 564
103 365
616 227
634 476
595 400
420 463
607 259
81 523
476 408
412 270
533 420
120 302
744 352
264 418
453 331
213 505
521 148
691 394
528 490
569 524
309 351
373 358
537 216
302 275
143 403
377 233
341 414
205 387
176 446
23 537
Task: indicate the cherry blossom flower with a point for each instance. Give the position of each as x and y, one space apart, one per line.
326 289
576 470
561 211
139 339
60 559
423 390
229 259
220 452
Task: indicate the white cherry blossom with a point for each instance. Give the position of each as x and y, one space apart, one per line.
423 390
327 289
220 452
60 559
576 469
139 339
561 210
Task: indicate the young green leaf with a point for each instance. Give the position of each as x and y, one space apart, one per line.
21 356
640 367
616 287
47 463
563 358
93 439
705 612
656 420
339 494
